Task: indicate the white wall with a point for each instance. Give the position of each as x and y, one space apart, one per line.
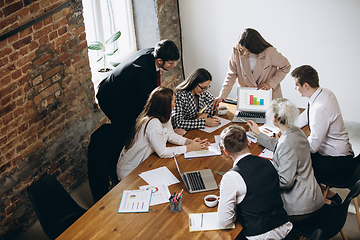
323 33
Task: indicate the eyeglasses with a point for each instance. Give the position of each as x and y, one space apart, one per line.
204 88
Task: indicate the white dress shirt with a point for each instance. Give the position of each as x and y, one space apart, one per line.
232 192
156 136
328 136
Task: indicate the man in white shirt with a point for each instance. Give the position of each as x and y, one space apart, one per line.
331 152
250 191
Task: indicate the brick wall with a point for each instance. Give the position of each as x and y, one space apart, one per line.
47 107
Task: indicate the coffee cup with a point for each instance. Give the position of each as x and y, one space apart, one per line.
222 110
211 200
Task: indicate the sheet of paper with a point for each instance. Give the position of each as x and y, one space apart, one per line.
269 129
213 150
266 153
160 193
217 140
135 201
161 175
205 222
223 122
252 137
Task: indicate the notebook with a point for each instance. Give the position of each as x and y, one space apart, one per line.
252 104
197 181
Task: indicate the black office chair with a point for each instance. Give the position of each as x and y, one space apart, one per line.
331 219
348 183
103 153
54 207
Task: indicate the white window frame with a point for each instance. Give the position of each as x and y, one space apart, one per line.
100 24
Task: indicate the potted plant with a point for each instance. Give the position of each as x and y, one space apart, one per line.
97 45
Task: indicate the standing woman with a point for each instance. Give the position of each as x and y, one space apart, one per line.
299 189
152 131
255 63
193 103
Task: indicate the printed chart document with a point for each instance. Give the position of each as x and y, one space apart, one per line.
161 175
205 222
223 122
266 153
135 201
213 150
160 194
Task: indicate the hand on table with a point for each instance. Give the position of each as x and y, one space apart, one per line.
197 144
212 121
253 127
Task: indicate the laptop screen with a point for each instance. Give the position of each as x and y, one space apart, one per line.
253 100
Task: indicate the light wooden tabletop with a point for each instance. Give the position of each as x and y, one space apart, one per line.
102 220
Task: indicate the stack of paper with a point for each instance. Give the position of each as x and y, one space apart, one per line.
205 222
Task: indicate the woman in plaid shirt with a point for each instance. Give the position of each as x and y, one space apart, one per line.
193 103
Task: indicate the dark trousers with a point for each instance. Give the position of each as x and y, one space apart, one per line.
103 153
333 169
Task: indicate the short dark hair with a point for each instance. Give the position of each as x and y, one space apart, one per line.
198 76
306 74
234 139
166 50
253 41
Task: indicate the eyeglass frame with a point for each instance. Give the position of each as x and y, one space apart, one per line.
203 89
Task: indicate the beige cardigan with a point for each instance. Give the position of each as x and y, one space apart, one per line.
271 67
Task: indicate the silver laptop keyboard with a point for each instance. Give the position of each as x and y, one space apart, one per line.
251 114
195 181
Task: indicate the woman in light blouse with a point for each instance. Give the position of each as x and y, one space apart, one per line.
152 131
193 103
255 63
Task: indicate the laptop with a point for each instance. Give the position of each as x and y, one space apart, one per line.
197 181
252 104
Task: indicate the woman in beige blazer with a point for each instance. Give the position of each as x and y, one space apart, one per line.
255 63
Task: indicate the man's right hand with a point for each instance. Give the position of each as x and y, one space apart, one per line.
217 101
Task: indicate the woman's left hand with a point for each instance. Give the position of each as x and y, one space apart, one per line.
264 86
253 126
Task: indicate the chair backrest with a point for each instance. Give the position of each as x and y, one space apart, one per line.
337 221
316 235
54 207
356 176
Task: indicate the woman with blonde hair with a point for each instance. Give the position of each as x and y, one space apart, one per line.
300 191
152 131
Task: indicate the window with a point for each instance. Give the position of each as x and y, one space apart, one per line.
102 19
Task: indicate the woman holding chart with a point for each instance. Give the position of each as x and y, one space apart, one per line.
193 103
152 131
300 191
254 63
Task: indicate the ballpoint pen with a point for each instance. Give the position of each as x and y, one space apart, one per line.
202 217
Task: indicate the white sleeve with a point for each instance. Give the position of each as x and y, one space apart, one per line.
319 126
302 120
157 139
232 192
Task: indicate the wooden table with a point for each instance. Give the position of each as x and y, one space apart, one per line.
102 221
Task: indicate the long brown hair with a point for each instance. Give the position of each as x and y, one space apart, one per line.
253 41
198 76
157 106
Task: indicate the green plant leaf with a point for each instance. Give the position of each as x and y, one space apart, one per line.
114 64
114 37
96 45
111 53
100 59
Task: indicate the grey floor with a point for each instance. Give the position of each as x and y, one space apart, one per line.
83 197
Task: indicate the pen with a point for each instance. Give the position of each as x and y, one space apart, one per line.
202 216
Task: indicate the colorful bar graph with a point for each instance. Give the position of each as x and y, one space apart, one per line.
256 101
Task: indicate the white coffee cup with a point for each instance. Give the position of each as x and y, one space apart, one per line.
222 110
211 200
